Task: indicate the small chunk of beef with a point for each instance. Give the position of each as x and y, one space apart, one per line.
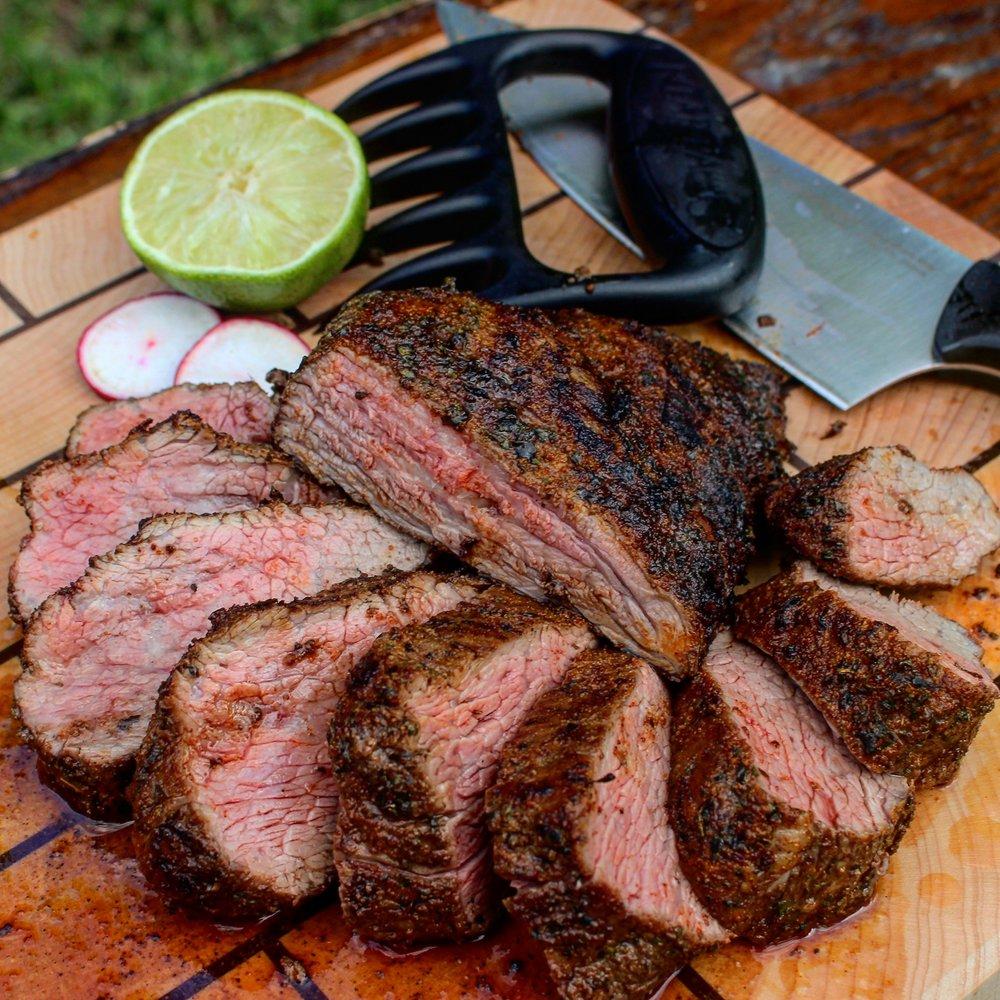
82 507
243 410
563 454
581 829
779 829
880 516
234 797
904 687
96 652
415 744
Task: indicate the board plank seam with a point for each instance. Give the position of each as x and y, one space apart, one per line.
863 175
15 304
36 841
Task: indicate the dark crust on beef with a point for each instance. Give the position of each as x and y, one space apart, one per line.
545 786
175 849
892 703
182 420
100 792
390 810
735 840
813 518
534 392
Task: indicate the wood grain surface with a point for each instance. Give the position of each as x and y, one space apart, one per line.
76 917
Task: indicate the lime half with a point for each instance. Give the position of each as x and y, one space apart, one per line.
247 199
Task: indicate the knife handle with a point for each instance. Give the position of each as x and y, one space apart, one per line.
968 332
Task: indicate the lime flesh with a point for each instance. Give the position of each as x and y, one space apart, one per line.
247 199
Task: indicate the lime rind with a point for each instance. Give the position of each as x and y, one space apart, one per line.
317 238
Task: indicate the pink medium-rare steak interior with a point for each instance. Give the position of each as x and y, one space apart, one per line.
581 828
243 410
95 653
237 756
495 432
911 525
416 740
629 843
393 453
800 760
879 516
919 624
85 506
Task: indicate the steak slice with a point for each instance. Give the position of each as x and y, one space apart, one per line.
779 829
581 829
234 797
880 516
85 506
96 652
497 433
243 410
904 687
415 743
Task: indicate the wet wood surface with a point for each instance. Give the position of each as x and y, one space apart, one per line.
76 917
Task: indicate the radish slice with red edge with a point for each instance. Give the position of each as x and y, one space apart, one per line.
135 348
241 349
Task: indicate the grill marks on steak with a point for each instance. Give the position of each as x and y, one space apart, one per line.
779 829
904 687
85 506
415 744
494 432
580 823
244 411
96 651
880 516
234 796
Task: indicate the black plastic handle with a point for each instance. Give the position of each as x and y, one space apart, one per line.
968 332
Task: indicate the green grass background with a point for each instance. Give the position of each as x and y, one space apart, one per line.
68 67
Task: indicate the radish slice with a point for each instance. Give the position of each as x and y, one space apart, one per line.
238 350
134 349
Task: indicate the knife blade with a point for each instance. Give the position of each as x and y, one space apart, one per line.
850 296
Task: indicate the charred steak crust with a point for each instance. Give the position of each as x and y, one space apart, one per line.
396 854
243 410
635 454
896 706
173 842
546 788
880 516
135 479
767 871
95 787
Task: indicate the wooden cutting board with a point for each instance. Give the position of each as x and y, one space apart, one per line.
77 920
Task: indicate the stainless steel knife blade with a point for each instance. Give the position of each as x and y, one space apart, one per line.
849 297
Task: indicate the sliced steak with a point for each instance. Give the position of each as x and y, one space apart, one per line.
85 506
243 411
779 829
234 797
96 651
415 744
904 687
880 516
581 829
562 454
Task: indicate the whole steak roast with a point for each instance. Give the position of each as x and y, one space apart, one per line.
563 454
